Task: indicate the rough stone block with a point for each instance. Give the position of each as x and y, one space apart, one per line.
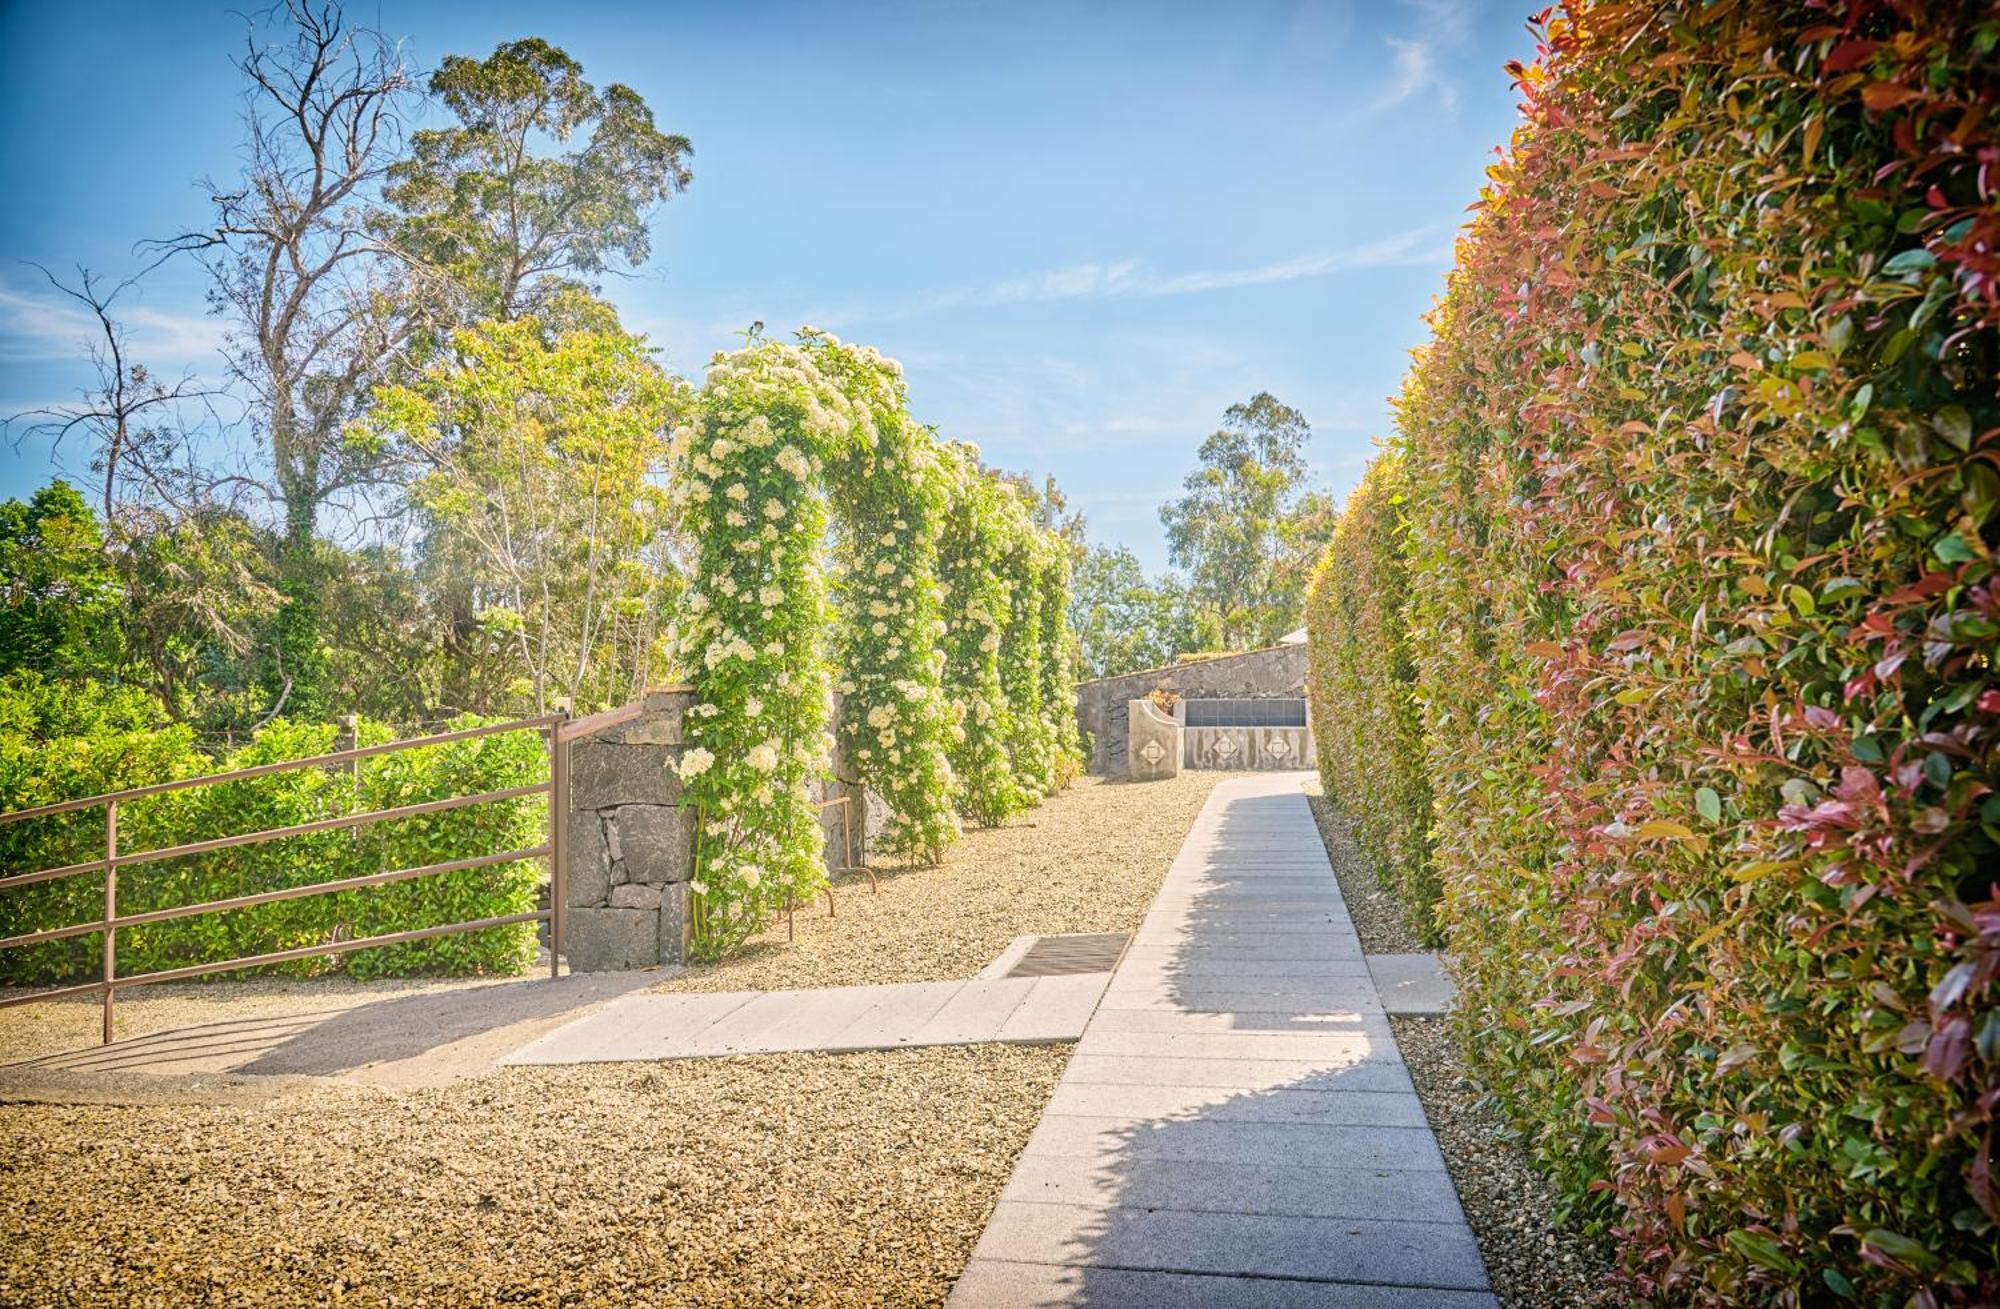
611 940
675 925
587 879
655 843
605 774
633 896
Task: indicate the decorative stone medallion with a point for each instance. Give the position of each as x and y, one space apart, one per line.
1152 752
1278 747
1225 747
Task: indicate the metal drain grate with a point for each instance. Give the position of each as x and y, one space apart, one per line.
1060 956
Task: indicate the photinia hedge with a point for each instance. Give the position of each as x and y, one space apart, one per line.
1700 471
1360 682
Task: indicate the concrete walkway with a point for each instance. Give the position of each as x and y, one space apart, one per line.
1236 1127
836 1019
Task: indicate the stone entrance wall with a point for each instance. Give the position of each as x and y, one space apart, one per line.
1102 705
631 841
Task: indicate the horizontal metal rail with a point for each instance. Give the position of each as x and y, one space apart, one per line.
548 726
541 723
272 897
276 834
277 957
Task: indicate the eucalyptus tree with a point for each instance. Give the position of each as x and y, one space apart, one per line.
511 222
1247 525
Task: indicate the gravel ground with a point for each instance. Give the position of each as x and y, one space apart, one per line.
1087 860
780 1179
783 1179
1378 915
1534 1263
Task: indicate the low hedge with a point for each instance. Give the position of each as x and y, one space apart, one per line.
1360 682
1701 468
65 742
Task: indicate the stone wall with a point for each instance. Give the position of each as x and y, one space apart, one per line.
631 843
1101 710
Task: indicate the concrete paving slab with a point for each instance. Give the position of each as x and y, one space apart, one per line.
1236 1045
1236 1126
833 1019
1222 1140
1428 1255
998 1284
895 1018
976 1012
1379 1073
642 1026
1217 1104
1057 1008
1413 984
1413 1196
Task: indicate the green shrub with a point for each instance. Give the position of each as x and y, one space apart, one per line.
1361 683
1701 477
69 741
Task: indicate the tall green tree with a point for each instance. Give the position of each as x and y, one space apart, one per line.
545 458
512 225
1125 620
60 600
1248 526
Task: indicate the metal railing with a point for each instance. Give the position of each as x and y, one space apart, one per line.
557 729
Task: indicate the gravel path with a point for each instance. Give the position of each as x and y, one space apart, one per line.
1087 860
779 1179
783 1179
1533 1262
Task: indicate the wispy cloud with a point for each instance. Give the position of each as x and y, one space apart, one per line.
42 324
1133 278
1415 72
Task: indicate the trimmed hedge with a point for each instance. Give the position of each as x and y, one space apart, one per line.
1701 468
63 742
1360 682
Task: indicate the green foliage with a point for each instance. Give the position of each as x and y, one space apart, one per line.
1247 529
511 227
65 742
542 452
1059 659
895 724
62 599
1125 621
972 565
751 631
1701 596
1031 744
1361 682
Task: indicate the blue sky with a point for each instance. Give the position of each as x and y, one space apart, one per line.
1085 229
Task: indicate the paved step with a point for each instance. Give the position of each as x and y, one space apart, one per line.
1236 1127
651 1026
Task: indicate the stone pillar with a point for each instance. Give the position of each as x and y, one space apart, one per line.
1153 744
631 842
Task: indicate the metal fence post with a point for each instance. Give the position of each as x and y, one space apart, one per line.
558 839
110 911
